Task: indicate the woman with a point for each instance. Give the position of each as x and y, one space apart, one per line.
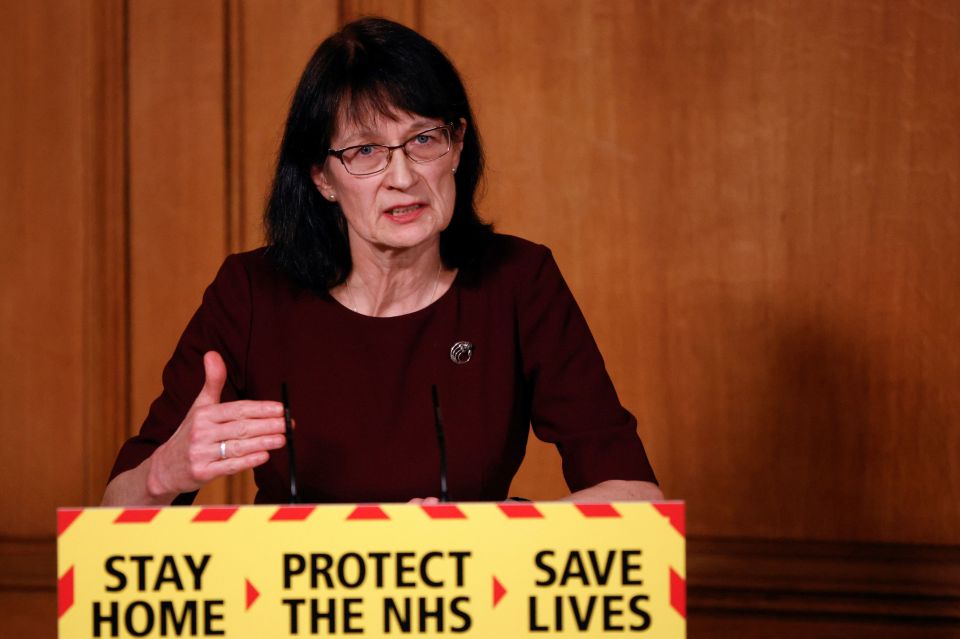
379 281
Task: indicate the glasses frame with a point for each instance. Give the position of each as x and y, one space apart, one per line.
338 153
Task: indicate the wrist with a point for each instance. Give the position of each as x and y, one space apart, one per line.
157 490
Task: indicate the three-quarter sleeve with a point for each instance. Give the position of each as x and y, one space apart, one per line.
222 324
573 403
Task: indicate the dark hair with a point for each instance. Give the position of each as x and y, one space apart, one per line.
371 67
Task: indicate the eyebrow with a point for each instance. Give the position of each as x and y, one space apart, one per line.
363 136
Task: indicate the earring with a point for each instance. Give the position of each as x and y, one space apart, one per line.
332 197
454 170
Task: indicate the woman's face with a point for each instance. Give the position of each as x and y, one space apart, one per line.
405 206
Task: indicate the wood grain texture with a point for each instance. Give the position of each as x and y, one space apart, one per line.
756 206
62 323
45 197
178 188
276 40
406 12
718 625
28 588
106 292
270 45
28 614
879 582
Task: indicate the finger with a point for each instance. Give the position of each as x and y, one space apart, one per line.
245 428
242 447
234 465
416 500
245 409
214 377
431 501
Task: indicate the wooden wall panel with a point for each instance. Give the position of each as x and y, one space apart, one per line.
178 188
756 206
276 40
61 229
28 614
406 12
106 299
46 173
803 625
270 46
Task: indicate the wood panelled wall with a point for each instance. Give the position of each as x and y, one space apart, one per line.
757 205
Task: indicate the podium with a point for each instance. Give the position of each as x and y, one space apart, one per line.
501 570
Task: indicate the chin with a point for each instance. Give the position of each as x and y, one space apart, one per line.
411 235
405 240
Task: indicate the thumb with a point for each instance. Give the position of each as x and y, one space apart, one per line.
215 376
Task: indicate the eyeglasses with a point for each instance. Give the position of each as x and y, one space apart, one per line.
368 159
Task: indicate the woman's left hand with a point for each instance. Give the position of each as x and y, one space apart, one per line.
611 490
618 490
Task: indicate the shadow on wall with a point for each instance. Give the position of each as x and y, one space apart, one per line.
835 450
832 536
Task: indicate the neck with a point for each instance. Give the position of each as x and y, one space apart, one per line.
390 284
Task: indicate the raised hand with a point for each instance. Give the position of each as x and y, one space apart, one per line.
214 438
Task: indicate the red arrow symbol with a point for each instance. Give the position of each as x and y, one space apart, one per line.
252 594
498 592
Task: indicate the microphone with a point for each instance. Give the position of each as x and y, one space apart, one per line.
294 498
441 443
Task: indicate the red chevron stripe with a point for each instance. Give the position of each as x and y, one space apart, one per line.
367 512
65 517
292 513
65 592
514 510
136 516
215 514
673 510
443 511
597 510
678 593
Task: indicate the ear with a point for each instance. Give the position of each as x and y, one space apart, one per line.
458 135
459 132
320 181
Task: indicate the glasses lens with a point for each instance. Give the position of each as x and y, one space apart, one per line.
429 145
369 158
373 158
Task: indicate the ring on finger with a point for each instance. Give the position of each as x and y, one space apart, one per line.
223 450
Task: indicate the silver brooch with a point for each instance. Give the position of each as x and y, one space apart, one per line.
461 352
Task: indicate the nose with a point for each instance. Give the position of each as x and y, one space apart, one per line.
400 173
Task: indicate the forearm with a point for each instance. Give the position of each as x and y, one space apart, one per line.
135 487
617 490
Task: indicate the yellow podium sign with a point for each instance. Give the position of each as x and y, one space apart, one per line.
501 570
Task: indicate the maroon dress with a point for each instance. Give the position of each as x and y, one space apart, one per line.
359 386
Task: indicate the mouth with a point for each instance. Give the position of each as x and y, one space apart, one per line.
406 213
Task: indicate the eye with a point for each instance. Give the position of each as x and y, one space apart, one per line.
366 149
425 138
